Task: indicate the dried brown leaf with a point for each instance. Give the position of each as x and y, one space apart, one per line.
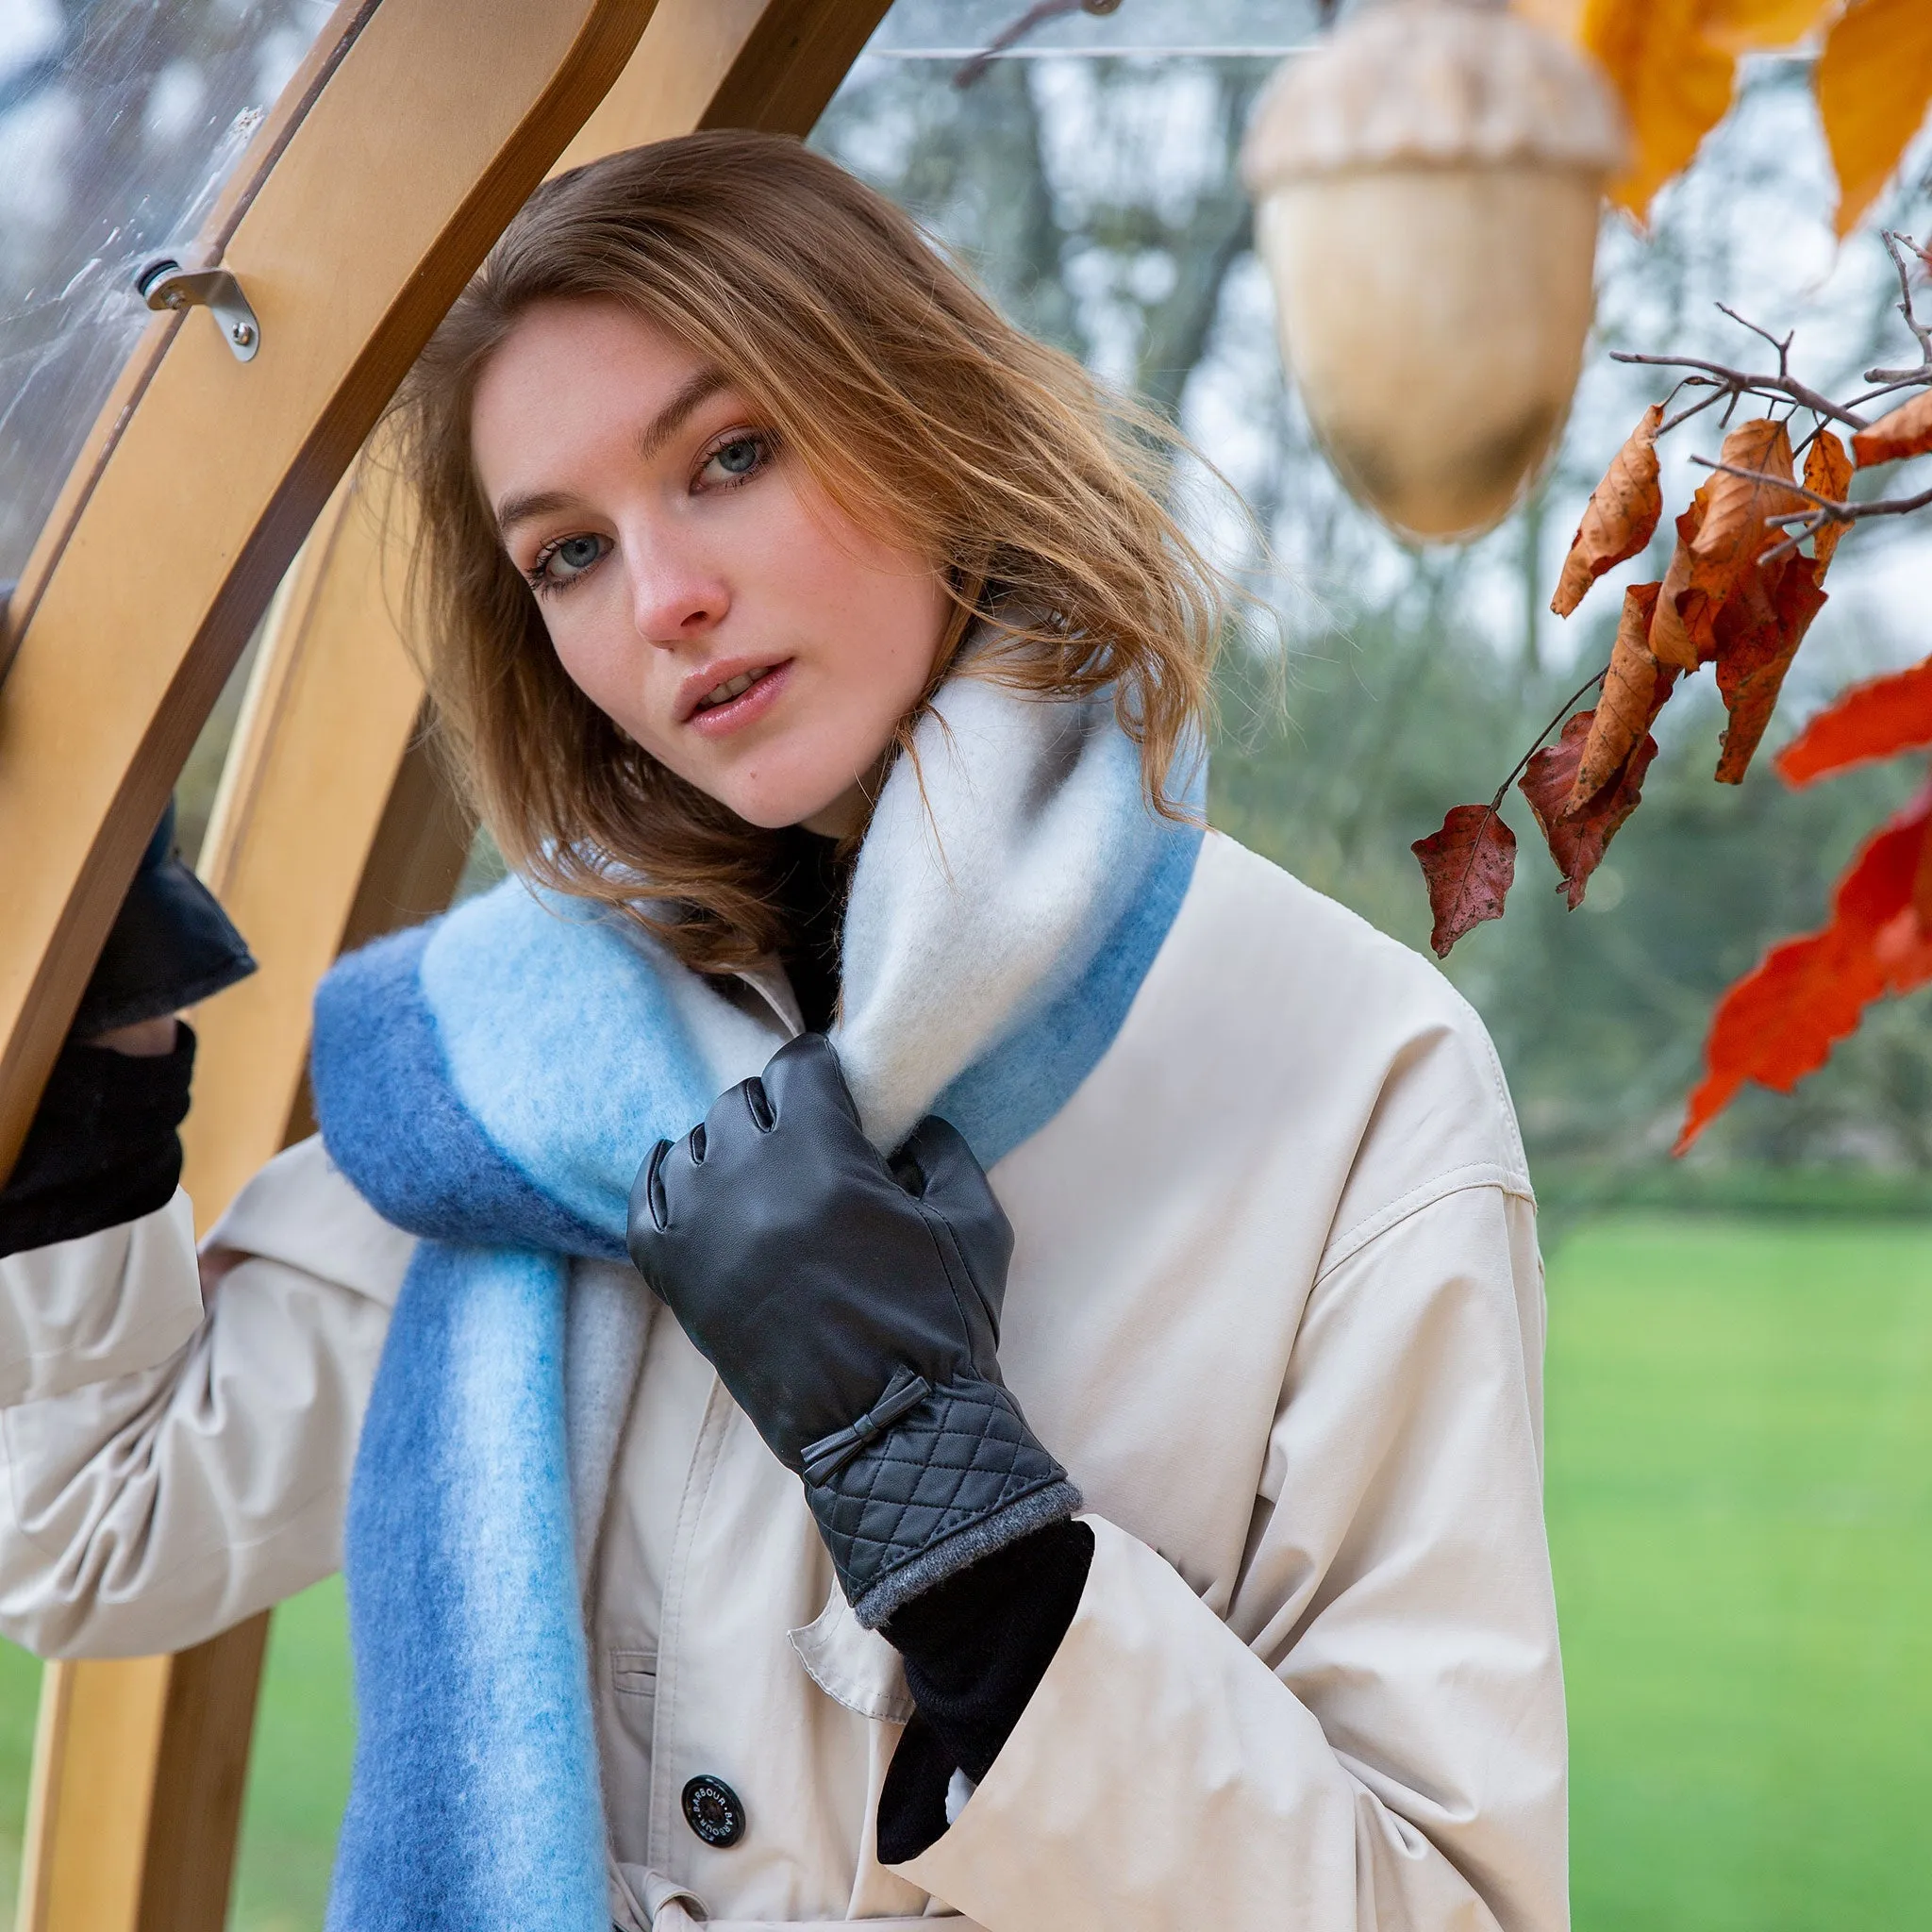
1730 534
1905 432
1634 688
1469 866
1759 634
1578 839
1620 517
1671 641
1829 470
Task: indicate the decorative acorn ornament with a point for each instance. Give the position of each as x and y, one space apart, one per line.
1427 185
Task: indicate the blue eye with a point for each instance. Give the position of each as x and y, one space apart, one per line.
734 461
565 562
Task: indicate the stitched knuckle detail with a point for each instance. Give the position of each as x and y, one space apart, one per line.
960 1455
654 1187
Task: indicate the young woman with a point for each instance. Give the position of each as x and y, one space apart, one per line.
1076 1462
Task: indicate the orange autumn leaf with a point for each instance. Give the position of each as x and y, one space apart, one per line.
1634 688
1781 1021
1829 470
1758 633
1906 431
1728 533
1577 837
1618 519
1674 84
1873 83
1469 866
1758 26
1879 719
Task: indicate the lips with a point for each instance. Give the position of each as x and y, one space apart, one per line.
723 696
731 688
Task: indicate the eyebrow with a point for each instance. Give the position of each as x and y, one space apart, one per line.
695 393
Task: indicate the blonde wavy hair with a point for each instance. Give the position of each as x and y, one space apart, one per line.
906 396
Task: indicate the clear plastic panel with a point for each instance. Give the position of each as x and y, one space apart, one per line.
120 121
954 28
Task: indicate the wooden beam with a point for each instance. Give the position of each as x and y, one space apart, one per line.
198 482
329 827
333 824
360 223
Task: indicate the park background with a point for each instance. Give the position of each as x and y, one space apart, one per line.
1739 1477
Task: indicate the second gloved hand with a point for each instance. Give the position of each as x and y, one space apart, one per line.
851 1305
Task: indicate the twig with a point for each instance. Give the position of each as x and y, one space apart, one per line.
1717 395
1811 522
1783 348
1569 705
1826 509
1896 245
1015 30
1735 382
1841 512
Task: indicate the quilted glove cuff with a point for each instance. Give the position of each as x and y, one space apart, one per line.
903 1504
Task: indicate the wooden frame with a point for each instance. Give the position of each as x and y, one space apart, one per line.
331 826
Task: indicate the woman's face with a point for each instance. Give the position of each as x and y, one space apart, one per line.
698 585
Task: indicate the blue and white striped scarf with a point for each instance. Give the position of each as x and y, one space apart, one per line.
490 1082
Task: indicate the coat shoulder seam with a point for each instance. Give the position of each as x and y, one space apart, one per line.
1455 1180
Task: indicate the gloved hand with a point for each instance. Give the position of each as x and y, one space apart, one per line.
851 1306
101 1149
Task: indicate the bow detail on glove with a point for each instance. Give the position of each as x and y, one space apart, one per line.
851 1305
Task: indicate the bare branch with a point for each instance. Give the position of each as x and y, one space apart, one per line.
1016 30
1899 247
1569 704
1783 348
1717 395
1737 382
1840 512
1904 252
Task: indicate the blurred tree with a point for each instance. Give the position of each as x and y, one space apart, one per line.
1076 189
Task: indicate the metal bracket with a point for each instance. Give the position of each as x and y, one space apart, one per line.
165 284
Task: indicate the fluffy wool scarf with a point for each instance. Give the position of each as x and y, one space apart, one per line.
490 1082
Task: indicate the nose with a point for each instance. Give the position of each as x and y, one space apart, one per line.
677 592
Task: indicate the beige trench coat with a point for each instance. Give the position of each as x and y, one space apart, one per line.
1277 1302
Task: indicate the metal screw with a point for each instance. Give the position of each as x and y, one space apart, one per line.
241 335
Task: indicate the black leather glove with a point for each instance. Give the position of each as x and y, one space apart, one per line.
102 1149
171 945
851 1306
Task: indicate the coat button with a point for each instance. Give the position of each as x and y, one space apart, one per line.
712 1810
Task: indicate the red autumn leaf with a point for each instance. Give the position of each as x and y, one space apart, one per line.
1875 720
1758 633
1905 432
1727 535
1780 1021
1577 835
1469 866
1634 688
1620 517
1829 470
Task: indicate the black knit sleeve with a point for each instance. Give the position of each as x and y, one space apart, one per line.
102 1148
975 1647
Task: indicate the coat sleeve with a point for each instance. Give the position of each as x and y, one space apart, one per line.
1372 1736
169 1470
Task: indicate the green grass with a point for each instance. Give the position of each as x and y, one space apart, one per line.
1741 1507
